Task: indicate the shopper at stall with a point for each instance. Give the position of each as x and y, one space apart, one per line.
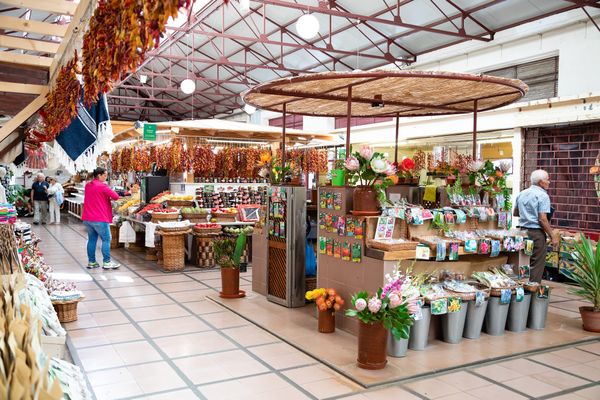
97 215
533 207
39 197
55 196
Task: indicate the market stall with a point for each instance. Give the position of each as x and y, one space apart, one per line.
208 174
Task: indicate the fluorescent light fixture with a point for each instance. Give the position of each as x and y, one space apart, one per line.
143 79
307 26
188 86
249 109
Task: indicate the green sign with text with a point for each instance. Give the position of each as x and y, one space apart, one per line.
149 131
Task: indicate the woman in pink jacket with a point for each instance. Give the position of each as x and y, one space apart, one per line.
97 216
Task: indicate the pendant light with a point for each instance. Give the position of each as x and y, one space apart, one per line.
307 26
188 86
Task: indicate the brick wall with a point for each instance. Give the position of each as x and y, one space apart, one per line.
567 153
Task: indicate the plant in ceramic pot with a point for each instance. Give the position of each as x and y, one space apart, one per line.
328 301
586 274
407 172
228 254
370 172
387 310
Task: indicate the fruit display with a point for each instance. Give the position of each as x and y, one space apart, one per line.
124 204
207 226
169 210
195 210
228 210
248 230
148 208
161 197
183 197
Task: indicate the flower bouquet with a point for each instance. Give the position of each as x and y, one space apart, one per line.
370 172
390 309
328 301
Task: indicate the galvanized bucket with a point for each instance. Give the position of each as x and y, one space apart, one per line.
538 312
495 317
475 317
419 332
453 324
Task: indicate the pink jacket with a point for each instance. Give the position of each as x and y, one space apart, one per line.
96 202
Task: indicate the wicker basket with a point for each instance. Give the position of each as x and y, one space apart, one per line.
224 217
531 288
158 217
180 203
497 292
471 295
173 250
194 217
114 237
66 310
311 284
207 232
383 245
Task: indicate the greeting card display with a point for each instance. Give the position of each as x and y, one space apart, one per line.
330 201
439 307
485 246
322 221
461 217
495 249
334 222
449 217
470 246
528 250
502 220
322 245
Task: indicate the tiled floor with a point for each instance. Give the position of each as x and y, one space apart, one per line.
143 334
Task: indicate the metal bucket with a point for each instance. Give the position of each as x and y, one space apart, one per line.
396 348
495 317
453 324
475 317
419 332
517 314
538 312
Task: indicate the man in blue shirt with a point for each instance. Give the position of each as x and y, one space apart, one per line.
39 196
533 207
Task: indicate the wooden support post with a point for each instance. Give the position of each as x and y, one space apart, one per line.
397 131
283 137
348 121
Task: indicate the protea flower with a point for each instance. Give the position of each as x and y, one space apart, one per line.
360 304
366 152
475 165
374 304
379 165
352 164
505 166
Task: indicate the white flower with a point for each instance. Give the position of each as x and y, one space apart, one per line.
505 166
379 165
360 304
475 165
263 173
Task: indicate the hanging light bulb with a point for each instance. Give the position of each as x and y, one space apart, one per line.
307 26
249 109
188 86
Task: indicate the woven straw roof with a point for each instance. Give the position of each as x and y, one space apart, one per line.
407 93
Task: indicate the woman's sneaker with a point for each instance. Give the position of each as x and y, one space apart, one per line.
92 265
111 265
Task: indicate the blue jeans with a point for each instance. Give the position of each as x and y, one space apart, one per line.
95 229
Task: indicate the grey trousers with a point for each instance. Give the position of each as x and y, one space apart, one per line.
538 258
40 211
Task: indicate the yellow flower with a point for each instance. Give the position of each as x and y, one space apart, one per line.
265 159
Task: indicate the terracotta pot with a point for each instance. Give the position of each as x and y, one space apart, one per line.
402 180
230 281
327 321
372 346
365 199
590 318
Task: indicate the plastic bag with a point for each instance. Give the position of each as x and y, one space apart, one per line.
311 260
126 233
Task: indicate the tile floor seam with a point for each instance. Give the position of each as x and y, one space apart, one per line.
568 391
201 385
501 384
143 396
77 361
589 352
164 356
557 368
238 345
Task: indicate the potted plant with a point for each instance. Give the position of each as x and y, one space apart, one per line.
228 253
586 274
406 172
386 310
328 301
370 172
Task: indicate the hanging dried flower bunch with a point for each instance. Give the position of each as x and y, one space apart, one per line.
61 101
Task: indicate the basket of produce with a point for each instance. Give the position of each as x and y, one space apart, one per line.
161 197
166 214
466 289
497 281
236 231
180 200
174 227
194 214
207 229
224 214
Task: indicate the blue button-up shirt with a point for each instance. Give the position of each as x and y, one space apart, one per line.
531 202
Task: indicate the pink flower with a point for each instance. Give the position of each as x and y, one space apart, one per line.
352 163
374 304
390 170
395 300
413 306
366 152
360 304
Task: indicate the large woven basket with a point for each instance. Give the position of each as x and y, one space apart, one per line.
180 203
194 217
114 237
471 295
173 250
158 217
497 292
224 217
66 310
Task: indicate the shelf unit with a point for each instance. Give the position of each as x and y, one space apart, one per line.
75 204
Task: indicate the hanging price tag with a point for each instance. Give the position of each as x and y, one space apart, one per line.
519 294
439 307
505 295
479 298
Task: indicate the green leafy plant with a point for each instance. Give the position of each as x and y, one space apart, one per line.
16 195
228 252
586 271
